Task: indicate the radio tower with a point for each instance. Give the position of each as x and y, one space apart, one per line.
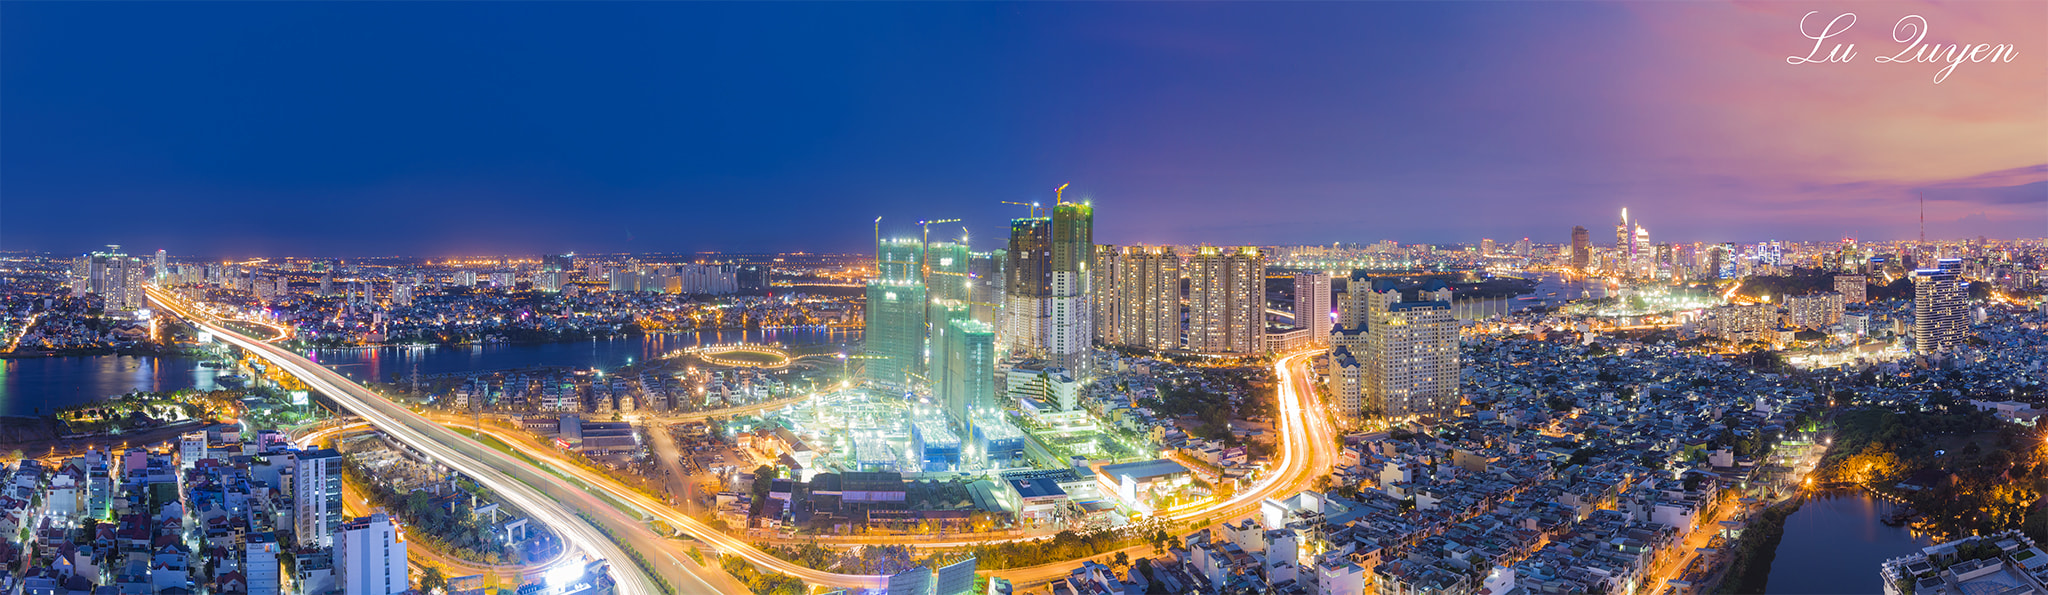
1923 229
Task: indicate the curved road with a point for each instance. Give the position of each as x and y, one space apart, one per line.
1307 450
355 503
519 484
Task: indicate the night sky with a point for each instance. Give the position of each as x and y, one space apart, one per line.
356 129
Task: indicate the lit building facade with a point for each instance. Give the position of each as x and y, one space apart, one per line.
1312 305
114 276
1104 275
370 556
1144 310
1411 361
317 495
1226 300
1817 311
1347 382
1070 317
1027 290
262 575
895 334
1940 307
1852 287
970 376
1581 253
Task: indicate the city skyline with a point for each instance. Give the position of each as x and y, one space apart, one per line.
1373 297
638 128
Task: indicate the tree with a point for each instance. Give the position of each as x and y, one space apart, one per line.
432 579
1122 559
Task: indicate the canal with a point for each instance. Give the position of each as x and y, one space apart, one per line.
1834 545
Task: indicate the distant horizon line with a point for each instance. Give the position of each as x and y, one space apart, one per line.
1474 244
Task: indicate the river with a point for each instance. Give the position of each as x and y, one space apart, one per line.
40 386
384 363
34 386
1551 290
1834 545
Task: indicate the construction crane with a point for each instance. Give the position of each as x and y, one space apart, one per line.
927 225
1033 205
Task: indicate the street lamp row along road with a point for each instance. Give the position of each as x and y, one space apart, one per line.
1305 450
509 479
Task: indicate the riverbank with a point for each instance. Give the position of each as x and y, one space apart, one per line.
101 351
1755 552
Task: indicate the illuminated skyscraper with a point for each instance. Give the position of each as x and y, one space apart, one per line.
1351 303
1666 257
1581 250
1642 254
1411 360
1312 305
1227 300
1770 253
1940 307
896 315
1623 242
116 277
1070 318
895 334
1027 291
317 478
1048 302
948 288
899 259
1721 260
1109 324
986 281
1146 297
946 272
1486 246
970 370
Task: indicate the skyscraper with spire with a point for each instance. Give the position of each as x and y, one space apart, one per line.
1622 240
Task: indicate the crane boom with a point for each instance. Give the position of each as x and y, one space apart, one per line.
1032 205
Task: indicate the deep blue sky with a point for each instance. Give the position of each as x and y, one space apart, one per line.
242 128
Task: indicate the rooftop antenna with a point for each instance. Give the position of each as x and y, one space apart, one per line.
1923 219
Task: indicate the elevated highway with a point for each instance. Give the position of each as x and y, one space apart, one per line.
1306 450
531 490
